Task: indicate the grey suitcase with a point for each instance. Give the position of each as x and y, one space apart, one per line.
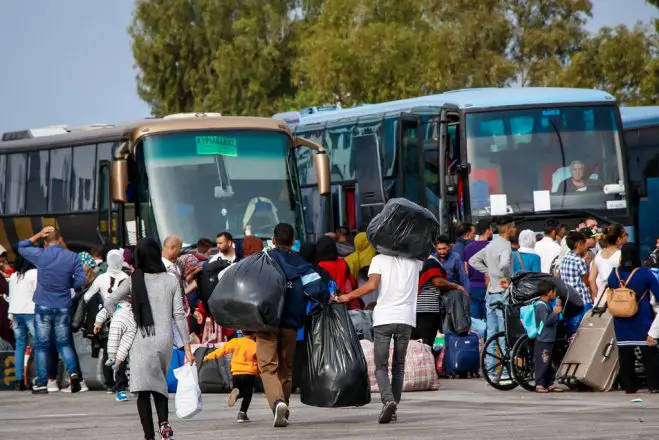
592 358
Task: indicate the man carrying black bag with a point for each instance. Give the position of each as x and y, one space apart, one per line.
275 352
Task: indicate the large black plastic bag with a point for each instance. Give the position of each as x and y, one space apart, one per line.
458 312
524 287
362 321
250 295
335 374
403 229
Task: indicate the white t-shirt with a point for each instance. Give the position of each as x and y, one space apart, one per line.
399 288
548 250
21 291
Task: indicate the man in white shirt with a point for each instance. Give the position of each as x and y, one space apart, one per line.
394 317
547 248
225 248
171 250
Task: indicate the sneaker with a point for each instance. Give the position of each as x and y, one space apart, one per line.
388 410
280 420
242 418
122 396
108 390
75 383
19 385
394 417
233 396
83 386
39 389
166 431
52 386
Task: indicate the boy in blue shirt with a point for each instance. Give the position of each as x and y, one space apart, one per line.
544 342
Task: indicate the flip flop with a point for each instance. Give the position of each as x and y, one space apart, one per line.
554 389
541 390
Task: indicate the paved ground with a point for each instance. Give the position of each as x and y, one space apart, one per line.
461 410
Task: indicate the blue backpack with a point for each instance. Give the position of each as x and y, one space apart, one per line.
527 316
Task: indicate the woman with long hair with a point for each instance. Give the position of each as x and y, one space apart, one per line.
22 284
632 332
607 259
157 303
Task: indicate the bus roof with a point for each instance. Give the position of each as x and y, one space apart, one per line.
638 117
136 129
479 99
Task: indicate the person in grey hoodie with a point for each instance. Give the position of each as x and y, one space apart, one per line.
495 261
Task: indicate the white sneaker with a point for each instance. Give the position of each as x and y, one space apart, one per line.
52 386
83 388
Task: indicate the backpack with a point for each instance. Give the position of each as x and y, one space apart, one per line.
527 316
621 301
207 279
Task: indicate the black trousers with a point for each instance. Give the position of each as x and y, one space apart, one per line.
245 384
650 357
144 411
427 326
544 364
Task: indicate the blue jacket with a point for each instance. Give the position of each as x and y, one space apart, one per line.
59 271
531 262
304 283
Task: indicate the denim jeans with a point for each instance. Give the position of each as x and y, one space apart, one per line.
49 324
23 325
390 391
477 303
495 324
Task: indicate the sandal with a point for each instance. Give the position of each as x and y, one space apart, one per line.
542 390
554 389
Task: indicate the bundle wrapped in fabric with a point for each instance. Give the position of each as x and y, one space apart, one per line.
335 374
524 287
250 295
403 229
458 313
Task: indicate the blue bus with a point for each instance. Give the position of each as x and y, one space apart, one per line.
533 153
641 128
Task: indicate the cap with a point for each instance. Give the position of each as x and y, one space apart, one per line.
590 232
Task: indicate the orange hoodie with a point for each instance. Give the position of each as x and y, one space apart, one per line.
243 360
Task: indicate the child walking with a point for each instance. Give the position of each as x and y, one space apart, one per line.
547 320
244 369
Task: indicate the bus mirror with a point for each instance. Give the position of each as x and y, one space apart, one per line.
321 163
119 179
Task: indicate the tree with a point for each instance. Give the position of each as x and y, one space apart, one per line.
545 35
620 60
378 50
230 56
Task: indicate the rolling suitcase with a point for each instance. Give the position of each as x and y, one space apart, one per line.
461 355
592 358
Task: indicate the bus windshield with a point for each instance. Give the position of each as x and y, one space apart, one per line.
541 159
202 183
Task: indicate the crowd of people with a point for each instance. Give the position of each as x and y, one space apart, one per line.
152 300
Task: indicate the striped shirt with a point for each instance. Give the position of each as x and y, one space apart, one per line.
428 300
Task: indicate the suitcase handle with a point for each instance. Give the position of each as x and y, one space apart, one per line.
607 350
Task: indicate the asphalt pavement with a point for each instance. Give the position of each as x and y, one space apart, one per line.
461 409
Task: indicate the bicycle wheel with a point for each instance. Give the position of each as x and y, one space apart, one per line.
497 354
522 364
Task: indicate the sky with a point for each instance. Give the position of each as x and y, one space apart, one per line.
69 61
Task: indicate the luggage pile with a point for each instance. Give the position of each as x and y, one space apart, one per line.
420 370
524 287
403 229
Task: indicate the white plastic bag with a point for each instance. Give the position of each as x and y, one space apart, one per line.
188 395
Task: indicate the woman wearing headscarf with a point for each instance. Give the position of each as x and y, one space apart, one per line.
157 304
633 332
105 284
525 259
360 260
327 257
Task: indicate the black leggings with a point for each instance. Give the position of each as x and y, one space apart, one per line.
628 367
245 384
144 410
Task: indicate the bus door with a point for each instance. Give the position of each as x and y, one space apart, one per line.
454 171
411 182
369 190
104 208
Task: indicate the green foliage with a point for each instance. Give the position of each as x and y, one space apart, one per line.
259 57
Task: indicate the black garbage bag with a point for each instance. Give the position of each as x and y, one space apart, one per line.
458 313
524 287
250 295
403 229
335 374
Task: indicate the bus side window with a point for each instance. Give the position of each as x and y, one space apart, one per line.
37 185
59 185
3 174
16 172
